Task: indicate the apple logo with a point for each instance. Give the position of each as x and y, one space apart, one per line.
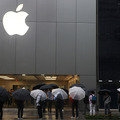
14 22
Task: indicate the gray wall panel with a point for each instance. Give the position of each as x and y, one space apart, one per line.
46 41
88 81
30 8
66 48
46 10
7 5
86 49
86 10
25 51
7 52
66 10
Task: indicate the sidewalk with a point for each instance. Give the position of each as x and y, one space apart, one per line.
31 114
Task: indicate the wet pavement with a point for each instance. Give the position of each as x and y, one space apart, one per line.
31 114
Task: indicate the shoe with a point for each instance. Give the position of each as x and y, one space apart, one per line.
72 117
21 119
18 118
77 117
40 118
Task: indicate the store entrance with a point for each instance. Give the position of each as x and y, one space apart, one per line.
14 82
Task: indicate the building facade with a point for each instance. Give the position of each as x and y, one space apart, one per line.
61 39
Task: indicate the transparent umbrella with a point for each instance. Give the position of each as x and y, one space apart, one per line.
35 93
77 93
61 91
118 89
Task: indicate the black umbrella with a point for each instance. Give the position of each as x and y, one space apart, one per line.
88 92
21 94
78 85
4 95
103 91
53 86
38 86
65 90
44 87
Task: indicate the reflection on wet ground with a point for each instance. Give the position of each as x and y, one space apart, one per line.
31 114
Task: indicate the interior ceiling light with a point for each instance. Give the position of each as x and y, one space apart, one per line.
50 77
6 77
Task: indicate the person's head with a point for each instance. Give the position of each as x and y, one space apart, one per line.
92 92
106 93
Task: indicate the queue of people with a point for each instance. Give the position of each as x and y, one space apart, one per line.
90 102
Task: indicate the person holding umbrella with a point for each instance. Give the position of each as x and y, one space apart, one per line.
50 99
92 103
20 95
40 96
1 109
107 101
4 96
76 93
20 106
39 106
58 104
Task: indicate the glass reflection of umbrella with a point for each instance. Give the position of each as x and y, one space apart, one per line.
4 95
35 93
78 85
103 91
77 93
21 94
38 86
61 91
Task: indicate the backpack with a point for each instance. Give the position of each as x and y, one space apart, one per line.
59 97
93 100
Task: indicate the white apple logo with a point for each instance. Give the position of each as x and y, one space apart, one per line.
14 22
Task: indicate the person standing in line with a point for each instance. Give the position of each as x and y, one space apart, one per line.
1 109
107 101
86 102
39 106
20 106
92 103
44 103
75 104
58 104
50 99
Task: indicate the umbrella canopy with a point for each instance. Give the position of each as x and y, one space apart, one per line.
35 93
65 90
21 94
118 89
44 87
38 86
88 92
53 86
77 93
78 85
4 95
103 91
61 91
